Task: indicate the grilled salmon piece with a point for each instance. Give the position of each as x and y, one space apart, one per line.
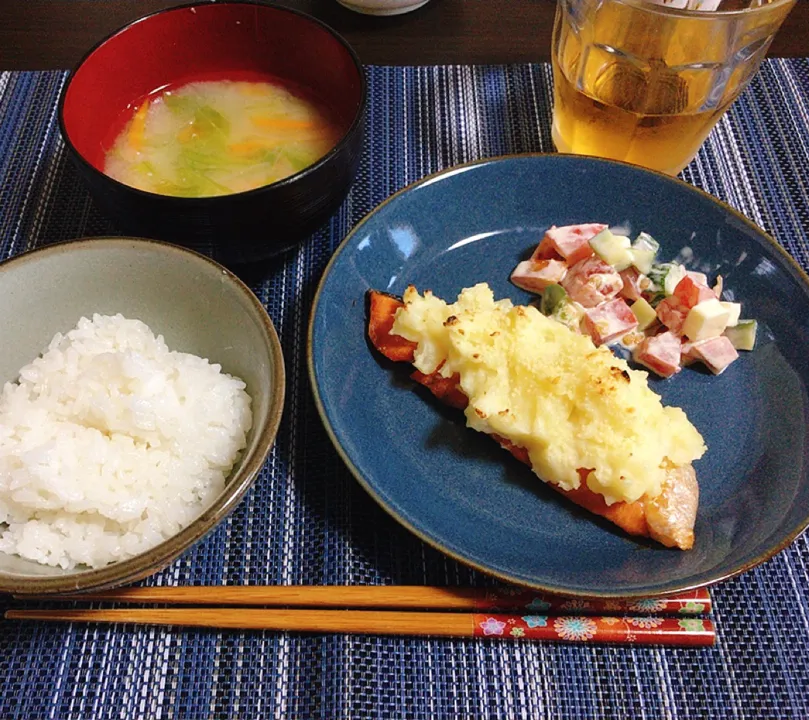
667 518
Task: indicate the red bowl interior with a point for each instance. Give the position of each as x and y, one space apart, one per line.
211 41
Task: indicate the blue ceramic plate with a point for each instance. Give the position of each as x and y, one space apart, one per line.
462 493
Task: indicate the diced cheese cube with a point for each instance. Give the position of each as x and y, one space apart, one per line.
734 312
644 312
706 320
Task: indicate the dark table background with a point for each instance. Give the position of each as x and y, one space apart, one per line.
54 34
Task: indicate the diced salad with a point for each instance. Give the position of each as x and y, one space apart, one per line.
601 283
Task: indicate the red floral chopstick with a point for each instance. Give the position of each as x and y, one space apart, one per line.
643 630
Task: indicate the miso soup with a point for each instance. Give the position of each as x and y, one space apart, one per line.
219 137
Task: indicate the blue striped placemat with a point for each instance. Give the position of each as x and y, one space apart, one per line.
307 521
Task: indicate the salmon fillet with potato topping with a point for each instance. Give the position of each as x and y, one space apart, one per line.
579 417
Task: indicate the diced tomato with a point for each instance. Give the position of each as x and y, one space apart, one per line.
690 292
592 281
717 353
572 242
660 353
672 313
535 276
635 282
609 321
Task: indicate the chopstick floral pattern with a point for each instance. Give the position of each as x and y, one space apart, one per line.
583 628
575 628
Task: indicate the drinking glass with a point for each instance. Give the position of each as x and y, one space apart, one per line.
645 81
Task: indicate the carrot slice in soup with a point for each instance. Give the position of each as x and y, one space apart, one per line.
138 126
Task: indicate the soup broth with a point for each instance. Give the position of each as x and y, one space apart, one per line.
219 137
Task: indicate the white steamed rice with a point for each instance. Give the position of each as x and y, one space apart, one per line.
110 443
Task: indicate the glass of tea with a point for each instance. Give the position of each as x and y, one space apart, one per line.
645 81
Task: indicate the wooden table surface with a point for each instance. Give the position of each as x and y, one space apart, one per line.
54 34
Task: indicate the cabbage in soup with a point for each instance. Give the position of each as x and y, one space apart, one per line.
217 138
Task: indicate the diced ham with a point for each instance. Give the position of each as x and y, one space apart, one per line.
635 282
609 321
717 288
687 354
572 242
690 292
698 277
672 313
717 353
660 353
592 281
546 250
536 275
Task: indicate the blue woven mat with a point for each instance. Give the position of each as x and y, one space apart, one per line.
307 521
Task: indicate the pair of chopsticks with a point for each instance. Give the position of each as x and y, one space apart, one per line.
403 610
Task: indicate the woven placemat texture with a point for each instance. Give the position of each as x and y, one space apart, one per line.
307 521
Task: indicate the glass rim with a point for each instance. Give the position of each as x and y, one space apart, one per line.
661 9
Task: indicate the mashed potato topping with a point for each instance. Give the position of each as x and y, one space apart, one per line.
546 389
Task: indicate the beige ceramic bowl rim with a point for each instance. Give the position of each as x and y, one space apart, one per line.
149 562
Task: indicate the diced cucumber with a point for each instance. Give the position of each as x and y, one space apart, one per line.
569 313
614 250
666 276
743 335
644 251
558 306
644 241
654 298
734 311
642 260
677 273
552 297
706 320
657 275
644 313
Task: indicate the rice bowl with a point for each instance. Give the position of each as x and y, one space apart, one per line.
200 308
111 443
